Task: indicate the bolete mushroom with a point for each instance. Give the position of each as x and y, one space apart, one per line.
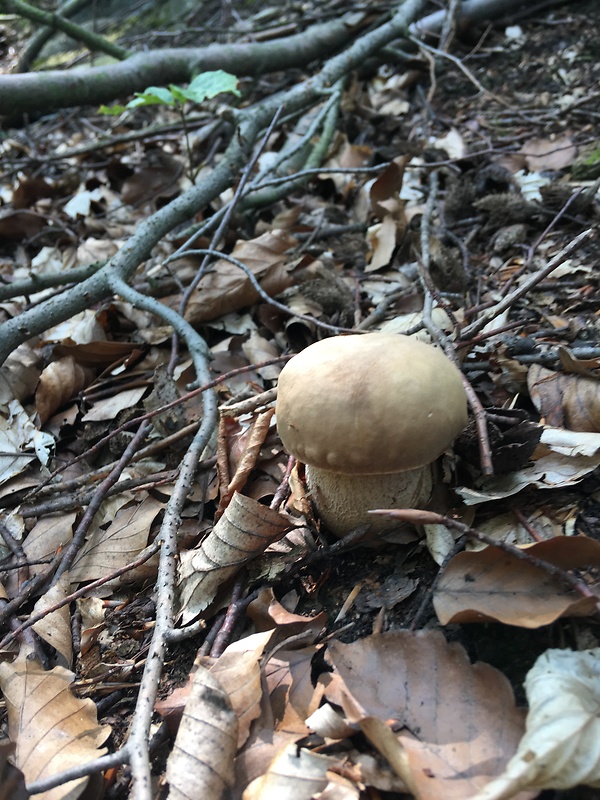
368 415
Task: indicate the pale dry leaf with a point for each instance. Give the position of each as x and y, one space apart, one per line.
59 382
492 584
201 762
55 627
109 407
18 435
549 154
122 542
81 328
19 374
47 536
382 238
465 715
244 531
238 672
294 773
561 745
226 288
53 730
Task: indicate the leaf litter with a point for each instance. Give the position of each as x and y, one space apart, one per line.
305 674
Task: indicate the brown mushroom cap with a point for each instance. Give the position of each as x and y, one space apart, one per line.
369 404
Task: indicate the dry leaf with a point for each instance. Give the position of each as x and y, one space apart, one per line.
47 536
238 672
201 763
253 442
55 628
53 729
563 458
565 401
59 382
561 747
295 773
226 288
19 374
244 531
491 584
549 154
122 542
292 696
446 726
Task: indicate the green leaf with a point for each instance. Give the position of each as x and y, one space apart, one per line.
210 84
152 96
112 111
178 93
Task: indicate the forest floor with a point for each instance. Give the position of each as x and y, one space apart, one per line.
495 147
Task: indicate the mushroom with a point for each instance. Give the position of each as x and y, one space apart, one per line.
368 415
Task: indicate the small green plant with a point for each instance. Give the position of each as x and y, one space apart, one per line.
203 87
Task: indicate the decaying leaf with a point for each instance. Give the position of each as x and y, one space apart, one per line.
565 401
561 746
53 729
446 726
491 584
201 763
244 531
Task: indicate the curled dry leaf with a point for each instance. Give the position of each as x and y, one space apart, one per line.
491 584
59 382
561 746
53 729
244 531
565 401
201 763
446 726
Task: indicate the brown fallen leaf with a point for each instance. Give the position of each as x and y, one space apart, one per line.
565 401
53 730
59 382
491 584
446 726
226 288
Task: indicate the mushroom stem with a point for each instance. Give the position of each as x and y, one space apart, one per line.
344 500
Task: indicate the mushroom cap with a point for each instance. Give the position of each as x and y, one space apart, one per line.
369 404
